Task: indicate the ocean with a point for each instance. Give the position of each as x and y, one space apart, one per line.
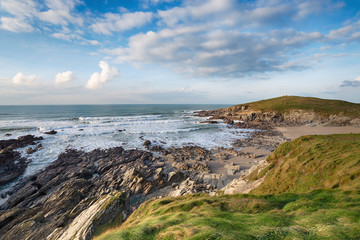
88 127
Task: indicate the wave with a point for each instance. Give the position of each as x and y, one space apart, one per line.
10 129
117 118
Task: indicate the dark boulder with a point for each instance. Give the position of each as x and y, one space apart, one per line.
52 132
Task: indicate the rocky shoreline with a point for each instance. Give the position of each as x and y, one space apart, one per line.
109 184
243 116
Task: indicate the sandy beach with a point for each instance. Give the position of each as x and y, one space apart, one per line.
295 132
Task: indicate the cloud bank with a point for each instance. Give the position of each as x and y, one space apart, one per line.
107 73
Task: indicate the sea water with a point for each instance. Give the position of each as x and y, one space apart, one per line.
88 127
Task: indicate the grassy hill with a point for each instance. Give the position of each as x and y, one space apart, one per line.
329 164
323 107
313 162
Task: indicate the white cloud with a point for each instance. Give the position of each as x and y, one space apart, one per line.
148 3
98 79
64 77
21 79
74 37
120 22
15 25
350 32
194 11
19 8
26 12
199 51
244 14
61 12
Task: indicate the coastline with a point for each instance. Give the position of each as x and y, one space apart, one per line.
78 181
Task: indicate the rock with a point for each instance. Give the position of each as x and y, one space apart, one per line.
52 132
100 212
228 121
8 135
21 142
180 165
232 168
32 150
210 121
74 194
175 177
147 143
12 165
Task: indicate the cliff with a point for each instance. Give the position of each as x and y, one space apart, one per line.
290 110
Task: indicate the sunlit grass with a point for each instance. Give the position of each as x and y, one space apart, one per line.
322 107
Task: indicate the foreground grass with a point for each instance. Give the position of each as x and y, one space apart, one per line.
313 162
321 214
320 106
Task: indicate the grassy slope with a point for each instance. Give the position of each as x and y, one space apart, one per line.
304 164
313 162
322 214
321 106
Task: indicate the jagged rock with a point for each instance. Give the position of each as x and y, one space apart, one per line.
232 168
21 142
147 143
228 121
12 165
32 150
180 165
210 121
72 183
52 132
175 177
100 212
242 185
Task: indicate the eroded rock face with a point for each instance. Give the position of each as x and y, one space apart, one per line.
49 204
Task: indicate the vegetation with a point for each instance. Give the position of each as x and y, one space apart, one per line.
323 107
321 214
317 187
313 162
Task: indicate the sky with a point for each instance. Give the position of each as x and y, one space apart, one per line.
177 51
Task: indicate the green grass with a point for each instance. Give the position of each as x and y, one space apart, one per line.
323 107
312 162
321 214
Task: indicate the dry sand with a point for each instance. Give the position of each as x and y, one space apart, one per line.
295 132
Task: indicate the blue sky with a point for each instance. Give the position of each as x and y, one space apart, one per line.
177 51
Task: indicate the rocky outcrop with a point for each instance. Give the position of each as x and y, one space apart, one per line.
244 117
20 142
12 165
49 203
243 185
101 211
52 132
80 191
